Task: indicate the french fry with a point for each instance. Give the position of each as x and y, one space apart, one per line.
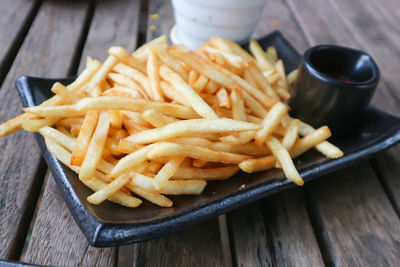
82 142
238 111
156 119
173 94
210 174
171 187
199 163
128 147
221 44
153 197
291 134
124 56
182 87
309 141
63 92
254 105
172 62
272 53
33 125
232 60
115 118
211 87
101 74
259 164
196 141
242 138
154 76
109 189
75 128
141 52
166 172
67 122
190 127
200 83
94 183
126 92
192 77
260 56
135 75
250 149
223 98
281 70
95 148
163 149
272 119
261 81
292 76
282 155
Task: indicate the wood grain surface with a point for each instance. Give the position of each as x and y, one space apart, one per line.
19 14
113 23
358 222
47 51
56 239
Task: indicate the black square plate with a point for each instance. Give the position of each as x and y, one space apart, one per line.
109 224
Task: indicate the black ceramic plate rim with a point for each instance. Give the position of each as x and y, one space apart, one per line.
103 233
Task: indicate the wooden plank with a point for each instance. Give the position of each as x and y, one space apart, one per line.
160 19
113 23
362 241
56 240
196 246
360 225
47 51
19 14
276 231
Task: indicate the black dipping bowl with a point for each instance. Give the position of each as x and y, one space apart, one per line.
334 87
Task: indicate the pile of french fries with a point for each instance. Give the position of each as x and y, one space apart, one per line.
164 120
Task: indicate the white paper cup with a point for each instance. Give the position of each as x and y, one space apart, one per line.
199 20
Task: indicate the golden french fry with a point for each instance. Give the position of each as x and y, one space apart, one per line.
33 125
211 87
254 105
272 53
115 118
310 140
259 164
135 75
172 62
190 127
220 173
128 147
281 70
153 71
171 187
291 134
82 142
182 87
124 56
122 80
101 74
200 83
232 60
95 148
223 98
126 92
196 141
163 149
199 163
272 119
166 172
67 122
192 77
282 155
250 149
141 52
241 138
292 76
153 197
173 94
63 92
260 56
261 81
221 44
156 119
238 111
131 161
94 183
109 189
112 102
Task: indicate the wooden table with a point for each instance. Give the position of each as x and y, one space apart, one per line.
349 218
